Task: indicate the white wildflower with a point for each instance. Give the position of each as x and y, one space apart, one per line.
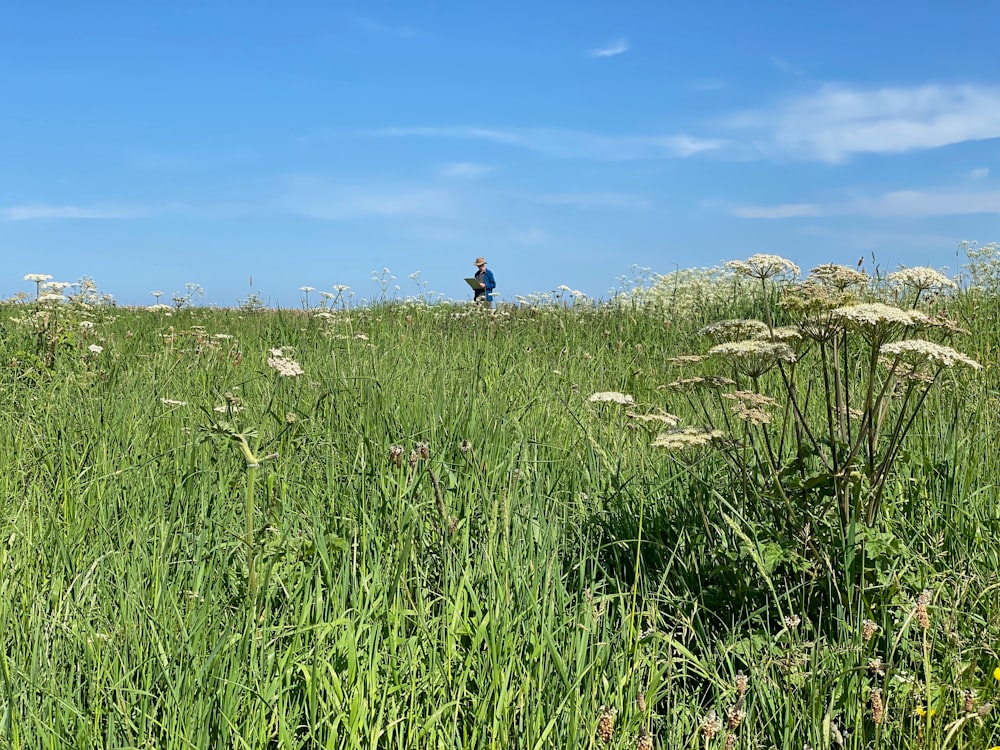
687 437
57 286
284 366
763 266
917 351
611 397
172 402
734 330
788 334
921 278
86 324
95 349
307 289
754 357
51 297
837 276
875 321
656 418
38 278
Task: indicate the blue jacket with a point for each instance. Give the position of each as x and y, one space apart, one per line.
485 276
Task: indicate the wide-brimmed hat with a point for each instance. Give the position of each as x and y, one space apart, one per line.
480 262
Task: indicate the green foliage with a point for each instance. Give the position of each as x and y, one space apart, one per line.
432 537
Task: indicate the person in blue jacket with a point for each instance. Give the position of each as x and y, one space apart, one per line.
486 282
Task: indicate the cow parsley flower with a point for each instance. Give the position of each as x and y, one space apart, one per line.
285 366
38 278
763 266
754 357
687 437
837 276
734 330
875 321
921 278
918 351
611 397
662 418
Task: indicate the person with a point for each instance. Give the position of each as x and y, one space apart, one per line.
486 283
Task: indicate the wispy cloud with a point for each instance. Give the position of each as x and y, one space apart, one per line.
27 212
786 67
319 199
896 204
588 201
838 122
573 144
782 211
374 27
465 169
616 47
979 173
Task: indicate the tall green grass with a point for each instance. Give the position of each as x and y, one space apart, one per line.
526 562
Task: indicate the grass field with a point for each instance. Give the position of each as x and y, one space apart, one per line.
433 526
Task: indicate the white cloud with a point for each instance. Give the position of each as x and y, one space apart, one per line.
573 144
838 122
896 204
616 47
979 173
318 199
43 211
586 201
465 169
782 211
786 67
400 32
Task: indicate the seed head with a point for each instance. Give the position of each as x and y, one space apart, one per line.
710 725
920 612
877 667
876 705
969 701
735 715
396 455
644 741
606 724
742 683
868 630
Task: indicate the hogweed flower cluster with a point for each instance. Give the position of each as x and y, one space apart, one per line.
764 266
918 352
686 438
921 279
611 397
838 277
284 365
734 330
754 357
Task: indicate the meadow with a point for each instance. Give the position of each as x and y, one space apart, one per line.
730 508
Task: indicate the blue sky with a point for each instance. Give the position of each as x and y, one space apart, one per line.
149 144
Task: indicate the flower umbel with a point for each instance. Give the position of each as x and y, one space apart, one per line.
283 365
611 397
764 266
